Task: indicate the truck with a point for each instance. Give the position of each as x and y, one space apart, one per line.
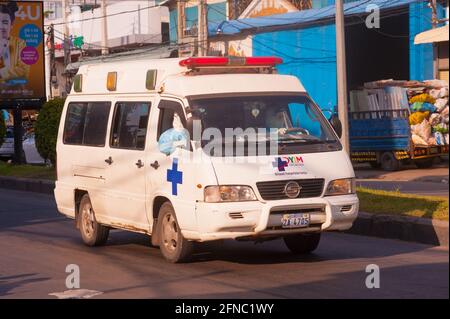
383 139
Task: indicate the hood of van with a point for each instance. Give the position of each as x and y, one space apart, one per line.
251 170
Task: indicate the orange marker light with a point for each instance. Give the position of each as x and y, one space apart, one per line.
111 81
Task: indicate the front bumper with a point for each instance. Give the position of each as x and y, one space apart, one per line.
262 219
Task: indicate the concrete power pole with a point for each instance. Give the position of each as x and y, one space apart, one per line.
66 44
181 23
105 49
434 24
202 28
342 74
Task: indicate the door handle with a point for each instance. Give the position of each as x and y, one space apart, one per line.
139 164
109 160
155 165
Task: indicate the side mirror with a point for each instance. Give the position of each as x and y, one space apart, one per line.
336 124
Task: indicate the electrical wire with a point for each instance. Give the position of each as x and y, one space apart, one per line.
107 15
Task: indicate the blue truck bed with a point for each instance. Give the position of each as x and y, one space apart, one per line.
376 133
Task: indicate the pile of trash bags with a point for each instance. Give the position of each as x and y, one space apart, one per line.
429 117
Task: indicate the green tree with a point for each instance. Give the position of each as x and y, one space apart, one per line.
46 128
2 128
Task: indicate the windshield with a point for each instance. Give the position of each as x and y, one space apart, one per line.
298 123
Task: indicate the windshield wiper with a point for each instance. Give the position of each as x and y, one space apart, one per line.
305 142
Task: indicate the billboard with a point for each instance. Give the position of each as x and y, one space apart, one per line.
22 74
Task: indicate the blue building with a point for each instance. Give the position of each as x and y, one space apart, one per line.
305 39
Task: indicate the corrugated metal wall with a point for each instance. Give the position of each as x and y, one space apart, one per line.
421 56
309 54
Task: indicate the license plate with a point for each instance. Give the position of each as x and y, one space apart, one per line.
295 220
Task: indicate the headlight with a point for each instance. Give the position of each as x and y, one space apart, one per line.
217 194
341 187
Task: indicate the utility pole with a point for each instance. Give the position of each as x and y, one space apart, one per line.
202 28
51 49
18 135
66 44
434 16
181 23
105 49
434 24
342 74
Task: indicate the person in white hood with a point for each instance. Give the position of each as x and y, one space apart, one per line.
175 137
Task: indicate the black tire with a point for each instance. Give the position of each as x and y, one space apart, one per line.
302 243
92 233
174 247
425 163
389 162
375 165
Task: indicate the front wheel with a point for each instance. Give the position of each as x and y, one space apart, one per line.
302 243
174 247
389 162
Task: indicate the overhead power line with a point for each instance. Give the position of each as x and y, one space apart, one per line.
107 15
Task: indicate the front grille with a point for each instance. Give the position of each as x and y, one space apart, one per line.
274 190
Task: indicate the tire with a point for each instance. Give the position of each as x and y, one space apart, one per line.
426 163
174 247
92 233
302 243
375 165
389 162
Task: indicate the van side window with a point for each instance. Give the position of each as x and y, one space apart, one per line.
166 115
86 123
130 123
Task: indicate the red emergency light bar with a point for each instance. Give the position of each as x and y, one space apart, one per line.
206 62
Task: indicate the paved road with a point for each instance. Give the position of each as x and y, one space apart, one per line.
431 182
36 245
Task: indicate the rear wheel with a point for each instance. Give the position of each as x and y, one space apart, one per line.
389 162
375 165
174 247
425 163
93 233
302 243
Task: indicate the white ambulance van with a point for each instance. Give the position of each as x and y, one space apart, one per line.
200 149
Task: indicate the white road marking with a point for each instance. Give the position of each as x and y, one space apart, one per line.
76 294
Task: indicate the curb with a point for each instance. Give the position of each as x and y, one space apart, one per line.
413 229
27 185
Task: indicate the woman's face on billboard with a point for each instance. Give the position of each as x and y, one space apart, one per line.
5 26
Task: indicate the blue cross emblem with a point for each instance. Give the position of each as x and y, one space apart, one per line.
175 176
280 164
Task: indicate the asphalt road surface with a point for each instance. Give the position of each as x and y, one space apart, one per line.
36 245
428 182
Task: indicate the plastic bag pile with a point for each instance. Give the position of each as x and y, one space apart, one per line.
429 116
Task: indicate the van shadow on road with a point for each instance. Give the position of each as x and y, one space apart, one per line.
269 252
